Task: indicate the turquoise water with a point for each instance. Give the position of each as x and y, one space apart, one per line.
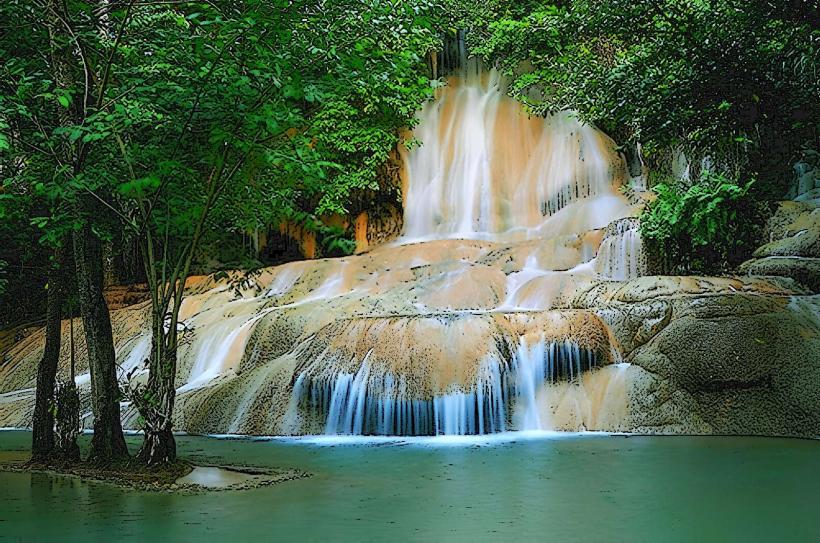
576 488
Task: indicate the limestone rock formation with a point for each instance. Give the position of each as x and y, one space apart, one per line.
802 269
673 354
718 356
793 247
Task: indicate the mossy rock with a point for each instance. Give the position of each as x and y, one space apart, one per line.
747 373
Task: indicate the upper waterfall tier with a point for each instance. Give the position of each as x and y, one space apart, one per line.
487 170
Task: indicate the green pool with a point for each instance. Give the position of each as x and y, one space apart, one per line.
547 488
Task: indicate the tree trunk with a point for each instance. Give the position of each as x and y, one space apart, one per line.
68 422
160 446
108 443
42 442
110 275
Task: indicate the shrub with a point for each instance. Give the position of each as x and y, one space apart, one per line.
710 226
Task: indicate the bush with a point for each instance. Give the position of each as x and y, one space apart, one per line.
710 226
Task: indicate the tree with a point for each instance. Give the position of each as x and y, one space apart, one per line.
55 78
43 446
185 120
261 134
67 402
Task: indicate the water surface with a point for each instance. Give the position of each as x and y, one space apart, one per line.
568 488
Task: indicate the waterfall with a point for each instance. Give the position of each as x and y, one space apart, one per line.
464 325
503 397
221 349
487 170
621 255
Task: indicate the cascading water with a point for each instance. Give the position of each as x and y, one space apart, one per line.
374 402
621 255
464 325
485 170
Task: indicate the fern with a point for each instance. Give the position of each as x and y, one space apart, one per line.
702 227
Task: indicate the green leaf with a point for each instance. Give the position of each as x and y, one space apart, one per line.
139 188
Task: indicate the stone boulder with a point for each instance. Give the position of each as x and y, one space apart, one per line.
723 360
793 245
802 269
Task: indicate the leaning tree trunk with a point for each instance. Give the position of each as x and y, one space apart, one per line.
157 409
42 442
108 443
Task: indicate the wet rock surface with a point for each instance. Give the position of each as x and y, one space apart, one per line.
743 362
802 269
693 355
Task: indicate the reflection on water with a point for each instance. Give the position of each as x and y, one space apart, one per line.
213 477
582 487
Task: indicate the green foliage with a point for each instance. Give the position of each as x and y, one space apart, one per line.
295 106
348 77
23 261
4 282
336 243
249 113
705 227
733 85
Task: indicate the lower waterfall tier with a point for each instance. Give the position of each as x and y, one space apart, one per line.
503 396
